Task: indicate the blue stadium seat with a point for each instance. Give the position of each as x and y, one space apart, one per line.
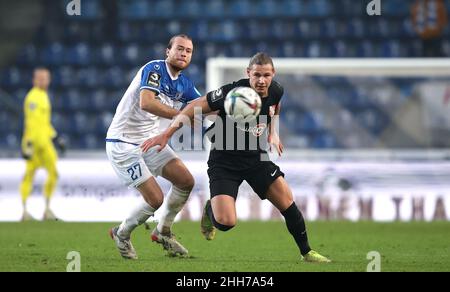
61 123
215 8
99 100
324 140
53 54
355 28
91 141
131 54
20 93
290 7
282 29
229 30
82 123
27 55
347 7
370 119
163 8
5 121
136 9
13 77
90 10
391 49
191 8
291 49
113 77
396 8
66 75
266 8
307 123
199 29
13 141
318 7
239 8
104 123
91 67
129 32
290 116
79 54
88 77
196 74
75 100
365 49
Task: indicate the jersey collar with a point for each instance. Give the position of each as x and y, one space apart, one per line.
169 73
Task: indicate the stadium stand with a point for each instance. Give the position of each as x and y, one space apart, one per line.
92 58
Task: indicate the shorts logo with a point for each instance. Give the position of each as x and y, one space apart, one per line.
218 94
154 79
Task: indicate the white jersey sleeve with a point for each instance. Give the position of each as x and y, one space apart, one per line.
132 124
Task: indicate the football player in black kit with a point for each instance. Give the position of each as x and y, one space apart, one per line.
229 166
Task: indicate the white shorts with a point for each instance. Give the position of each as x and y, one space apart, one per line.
134 167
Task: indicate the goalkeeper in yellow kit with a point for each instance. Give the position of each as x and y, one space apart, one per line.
37 142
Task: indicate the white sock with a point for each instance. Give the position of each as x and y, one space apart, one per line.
137 217
175 201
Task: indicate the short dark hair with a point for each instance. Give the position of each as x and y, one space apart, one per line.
184 36
260 59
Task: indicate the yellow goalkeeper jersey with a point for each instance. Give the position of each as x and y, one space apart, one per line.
37 110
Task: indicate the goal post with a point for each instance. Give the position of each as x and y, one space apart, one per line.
333 67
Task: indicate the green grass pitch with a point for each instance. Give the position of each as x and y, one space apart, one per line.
250 246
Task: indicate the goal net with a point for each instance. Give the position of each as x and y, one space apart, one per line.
393 106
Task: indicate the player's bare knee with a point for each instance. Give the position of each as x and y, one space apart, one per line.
186 184
155 202
52 173
189 184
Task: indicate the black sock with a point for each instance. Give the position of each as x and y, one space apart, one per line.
216 224
296 226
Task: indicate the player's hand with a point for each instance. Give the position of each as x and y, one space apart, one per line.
27 151
60 144
274 141
161 140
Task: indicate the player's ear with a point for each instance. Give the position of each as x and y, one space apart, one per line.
167 52
248 72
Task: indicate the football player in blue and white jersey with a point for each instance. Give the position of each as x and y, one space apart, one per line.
159 90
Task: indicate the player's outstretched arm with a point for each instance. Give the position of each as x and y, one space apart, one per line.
187 114
149 103
274 139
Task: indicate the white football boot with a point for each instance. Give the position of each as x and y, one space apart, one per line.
124 245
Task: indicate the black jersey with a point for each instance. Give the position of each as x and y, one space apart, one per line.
247 139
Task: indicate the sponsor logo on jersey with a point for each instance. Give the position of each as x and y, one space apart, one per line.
154 79
257 130
218 94
178 96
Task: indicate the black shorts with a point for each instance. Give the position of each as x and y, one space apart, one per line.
226 181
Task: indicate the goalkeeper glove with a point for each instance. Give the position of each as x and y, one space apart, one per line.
27 151
60 144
